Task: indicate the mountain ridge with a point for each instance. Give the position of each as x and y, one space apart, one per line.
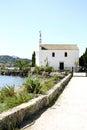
7 59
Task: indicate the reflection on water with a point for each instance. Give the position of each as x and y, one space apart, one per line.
11 80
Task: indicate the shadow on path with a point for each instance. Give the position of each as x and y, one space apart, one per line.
31 120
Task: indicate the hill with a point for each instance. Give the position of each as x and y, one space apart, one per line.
6 59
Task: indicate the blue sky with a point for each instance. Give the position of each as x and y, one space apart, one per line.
60 21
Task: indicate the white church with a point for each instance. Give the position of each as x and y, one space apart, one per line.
59 56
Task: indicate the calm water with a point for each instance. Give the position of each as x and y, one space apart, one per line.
11 80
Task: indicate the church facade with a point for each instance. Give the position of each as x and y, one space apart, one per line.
59 56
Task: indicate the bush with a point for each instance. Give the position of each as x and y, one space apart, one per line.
32 86
5 92
18 99
49 69
46 86
56 78
41 69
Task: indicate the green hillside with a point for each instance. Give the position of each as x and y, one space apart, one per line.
6 59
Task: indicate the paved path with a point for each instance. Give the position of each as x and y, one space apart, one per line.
70 110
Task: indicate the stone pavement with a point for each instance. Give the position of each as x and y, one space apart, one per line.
69 112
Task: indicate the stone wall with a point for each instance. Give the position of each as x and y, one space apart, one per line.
13 117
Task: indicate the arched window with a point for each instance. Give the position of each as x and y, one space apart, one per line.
53 54
65 54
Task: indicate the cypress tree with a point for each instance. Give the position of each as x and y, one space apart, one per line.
33 59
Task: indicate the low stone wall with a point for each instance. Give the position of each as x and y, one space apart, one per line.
13 117
53 93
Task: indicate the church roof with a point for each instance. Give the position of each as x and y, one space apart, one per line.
59 47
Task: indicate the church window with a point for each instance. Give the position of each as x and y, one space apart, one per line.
65 54
53 54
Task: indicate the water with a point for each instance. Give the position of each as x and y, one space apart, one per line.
16 81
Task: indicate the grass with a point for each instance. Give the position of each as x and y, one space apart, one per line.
7 100
46 86
32 86
49 83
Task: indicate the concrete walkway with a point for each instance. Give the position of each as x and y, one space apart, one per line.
69 112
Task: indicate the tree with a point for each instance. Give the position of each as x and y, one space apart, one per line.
83 59
76 63
3 67
33 59
21 64
46 62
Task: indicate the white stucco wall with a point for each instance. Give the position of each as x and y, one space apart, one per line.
69 61
37 58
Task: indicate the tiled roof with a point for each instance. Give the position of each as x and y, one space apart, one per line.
59 47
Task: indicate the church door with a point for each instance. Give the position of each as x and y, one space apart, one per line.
61 66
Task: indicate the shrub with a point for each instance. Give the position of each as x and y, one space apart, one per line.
39 70
18 99
49 69
46 86
5 92
56 79
32 86
15 100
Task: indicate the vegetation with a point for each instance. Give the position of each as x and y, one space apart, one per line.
83 59
3 67
40 85
6 92
32 86
46 62
11 60
38 82
41 69
49 69
10 99
14 66
18 99
22 65
33 59
47 86
5 59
